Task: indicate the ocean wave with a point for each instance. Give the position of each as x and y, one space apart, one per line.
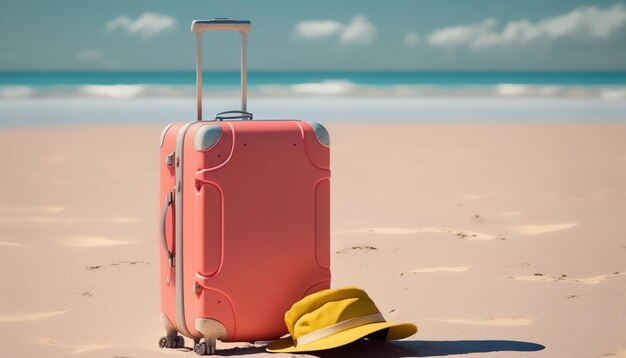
113 91
14 92
331 87
327 88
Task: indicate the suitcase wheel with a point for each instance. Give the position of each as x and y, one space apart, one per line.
204 349
200 349
177 342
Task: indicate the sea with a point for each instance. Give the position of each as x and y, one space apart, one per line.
64 98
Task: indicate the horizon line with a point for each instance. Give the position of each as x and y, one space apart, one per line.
314 71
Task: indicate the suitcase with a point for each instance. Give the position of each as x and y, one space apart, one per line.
245 219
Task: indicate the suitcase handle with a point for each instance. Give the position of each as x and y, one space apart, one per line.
221 24
246 116
167 204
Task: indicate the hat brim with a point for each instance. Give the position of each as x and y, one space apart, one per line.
396 331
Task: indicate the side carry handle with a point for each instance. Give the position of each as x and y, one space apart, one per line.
221 24
166 205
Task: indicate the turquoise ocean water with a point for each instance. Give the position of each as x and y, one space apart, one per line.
84 97
291 78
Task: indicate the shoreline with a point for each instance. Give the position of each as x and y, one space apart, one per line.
38 111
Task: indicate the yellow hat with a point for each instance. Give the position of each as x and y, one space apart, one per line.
334 317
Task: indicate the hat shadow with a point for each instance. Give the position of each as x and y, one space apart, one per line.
367 348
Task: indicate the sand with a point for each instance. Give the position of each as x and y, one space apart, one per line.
506 239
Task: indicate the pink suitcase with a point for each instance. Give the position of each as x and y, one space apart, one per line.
245 220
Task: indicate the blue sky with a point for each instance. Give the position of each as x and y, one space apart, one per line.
531 35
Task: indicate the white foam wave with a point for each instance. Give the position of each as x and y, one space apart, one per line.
329 88
112 91
615 94
11 92
509 89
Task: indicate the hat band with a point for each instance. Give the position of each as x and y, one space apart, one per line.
338 327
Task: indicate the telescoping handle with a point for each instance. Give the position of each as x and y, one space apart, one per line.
221 24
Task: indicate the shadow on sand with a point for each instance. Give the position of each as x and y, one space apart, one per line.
239 351
365 348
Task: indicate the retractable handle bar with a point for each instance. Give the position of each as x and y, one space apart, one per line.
221 24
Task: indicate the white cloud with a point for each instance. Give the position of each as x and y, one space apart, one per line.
411 39
585 22
318 29
462 35
147 25
358 31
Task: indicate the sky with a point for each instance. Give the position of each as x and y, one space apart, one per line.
288 35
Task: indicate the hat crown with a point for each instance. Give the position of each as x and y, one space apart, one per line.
332 318
326 308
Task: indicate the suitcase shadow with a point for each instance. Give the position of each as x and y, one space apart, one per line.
226 352
366 348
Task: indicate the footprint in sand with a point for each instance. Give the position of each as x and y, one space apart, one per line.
355 249
620 354
29 316
93 241
591 280
119 263
510 321
469 235
73 349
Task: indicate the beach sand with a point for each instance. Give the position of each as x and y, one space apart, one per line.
507 238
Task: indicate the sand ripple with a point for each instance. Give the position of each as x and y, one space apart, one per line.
591 280
511 213
38 219
73 349
43 209
542 229
505 321
93 241
442 269
469 235
28 316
